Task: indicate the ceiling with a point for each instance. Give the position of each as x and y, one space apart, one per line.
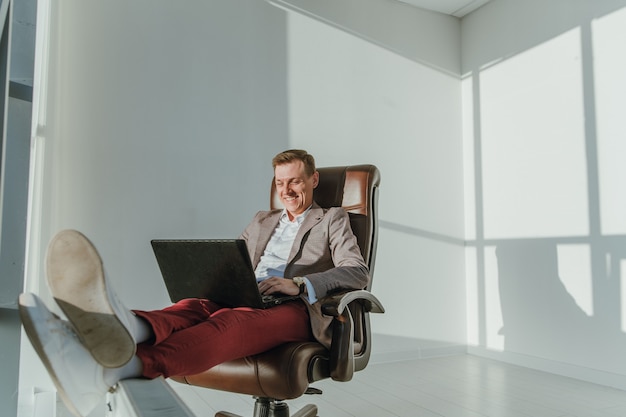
458 8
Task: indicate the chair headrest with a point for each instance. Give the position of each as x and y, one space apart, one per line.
349 187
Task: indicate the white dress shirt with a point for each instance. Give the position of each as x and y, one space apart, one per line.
274 259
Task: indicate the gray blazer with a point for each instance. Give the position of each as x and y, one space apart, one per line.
325 251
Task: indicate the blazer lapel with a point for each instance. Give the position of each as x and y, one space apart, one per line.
314 217
266 229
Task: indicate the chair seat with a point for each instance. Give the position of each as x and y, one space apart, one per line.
282 373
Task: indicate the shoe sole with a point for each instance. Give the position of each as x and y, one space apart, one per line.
30 329
77 281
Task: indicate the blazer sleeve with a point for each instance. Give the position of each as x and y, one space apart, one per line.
349 270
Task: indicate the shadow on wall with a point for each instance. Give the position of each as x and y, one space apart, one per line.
539 314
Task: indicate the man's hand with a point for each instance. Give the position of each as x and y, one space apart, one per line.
274 285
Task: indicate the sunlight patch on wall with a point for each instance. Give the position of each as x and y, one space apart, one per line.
609 38
574 263
493 309
533 143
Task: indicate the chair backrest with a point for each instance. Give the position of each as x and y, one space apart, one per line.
355 188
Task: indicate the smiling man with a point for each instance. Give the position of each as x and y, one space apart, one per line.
295 180
302 249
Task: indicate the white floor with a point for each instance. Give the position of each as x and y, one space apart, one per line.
451 386
409 378
454 385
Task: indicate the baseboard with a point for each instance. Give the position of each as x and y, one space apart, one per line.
593 376
386 348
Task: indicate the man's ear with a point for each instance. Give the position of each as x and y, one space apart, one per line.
316 179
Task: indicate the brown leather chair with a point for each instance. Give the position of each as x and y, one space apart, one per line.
285 372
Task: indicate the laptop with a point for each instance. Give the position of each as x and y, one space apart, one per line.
216 269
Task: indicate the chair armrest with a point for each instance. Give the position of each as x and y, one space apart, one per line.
342 344
335 304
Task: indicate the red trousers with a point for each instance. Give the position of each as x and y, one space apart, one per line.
194 335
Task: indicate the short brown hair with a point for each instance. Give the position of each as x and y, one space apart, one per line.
296 154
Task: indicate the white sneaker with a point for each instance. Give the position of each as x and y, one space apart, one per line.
77 281
77 376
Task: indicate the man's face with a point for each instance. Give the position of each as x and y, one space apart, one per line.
294 187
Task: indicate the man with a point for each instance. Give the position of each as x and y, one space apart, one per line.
302 250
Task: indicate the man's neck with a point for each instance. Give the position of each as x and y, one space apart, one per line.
292 217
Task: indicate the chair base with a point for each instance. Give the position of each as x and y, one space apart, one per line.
268 407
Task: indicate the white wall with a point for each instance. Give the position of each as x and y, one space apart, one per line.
155 119
160 120
544 92
353 98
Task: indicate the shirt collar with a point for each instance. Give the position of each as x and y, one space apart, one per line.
285 217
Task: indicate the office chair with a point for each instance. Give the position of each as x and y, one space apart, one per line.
286 371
